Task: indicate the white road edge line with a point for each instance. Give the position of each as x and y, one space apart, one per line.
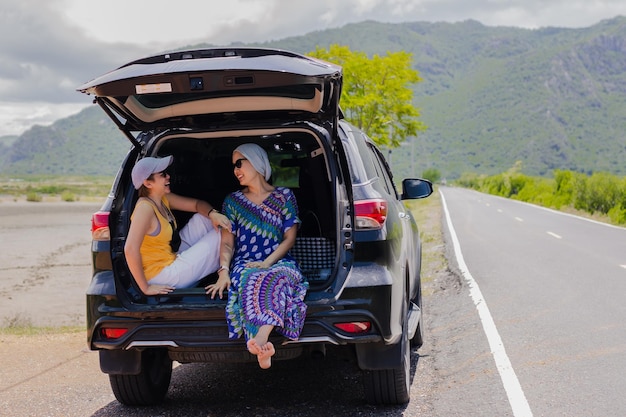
514 392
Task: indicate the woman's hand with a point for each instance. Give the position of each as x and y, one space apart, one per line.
222 283
158 289
256 264
219 220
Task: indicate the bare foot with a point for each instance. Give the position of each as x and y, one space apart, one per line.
265 356
263 353
253 347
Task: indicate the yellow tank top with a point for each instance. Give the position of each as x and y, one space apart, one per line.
156 252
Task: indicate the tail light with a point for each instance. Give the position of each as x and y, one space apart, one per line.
354 327
370 214
113 332
100 226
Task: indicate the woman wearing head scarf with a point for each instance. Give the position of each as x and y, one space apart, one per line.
159 257
265 287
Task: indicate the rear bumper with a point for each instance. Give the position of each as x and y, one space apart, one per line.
193 341
211 334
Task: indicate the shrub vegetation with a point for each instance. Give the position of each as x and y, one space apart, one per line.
37 188
599 194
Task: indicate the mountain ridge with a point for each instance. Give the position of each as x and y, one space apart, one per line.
552 98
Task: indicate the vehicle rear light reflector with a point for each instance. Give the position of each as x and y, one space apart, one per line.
113 332
100 226
370 214
354 326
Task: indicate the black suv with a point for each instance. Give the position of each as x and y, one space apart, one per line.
358 246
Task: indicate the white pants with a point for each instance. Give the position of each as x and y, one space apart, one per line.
197 257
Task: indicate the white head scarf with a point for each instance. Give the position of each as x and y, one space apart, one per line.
257 157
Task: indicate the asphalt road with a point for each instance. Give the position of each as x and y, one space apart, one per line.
554 285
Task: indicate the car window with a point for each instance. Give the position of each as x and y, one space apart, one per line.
375 163
384 172
353 150
284 174
369 160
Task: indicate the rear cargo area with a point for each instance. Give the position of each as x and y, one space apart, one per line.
202 168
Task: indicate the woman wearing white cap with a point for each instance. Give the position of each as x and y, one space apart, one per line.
159 257
265 286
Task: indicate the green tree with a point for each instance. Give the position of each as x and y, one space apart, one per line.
432 174
376 95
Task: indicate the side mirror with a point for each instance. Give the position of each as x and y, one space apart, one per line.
413 188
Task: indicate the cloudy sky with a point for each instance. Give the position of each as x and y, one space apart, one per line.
49 47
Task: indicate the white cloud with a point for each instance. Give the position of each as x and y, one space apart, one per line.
163 22
50 47
17 117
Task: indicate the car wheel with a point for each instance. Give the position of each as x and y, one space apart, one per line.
150 385
391 386
418 338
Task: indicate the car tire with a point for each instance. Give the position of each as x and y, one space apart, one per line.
391 386
150 386
418 338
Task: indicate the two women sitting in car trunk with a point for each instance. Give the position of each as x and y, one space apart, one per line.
265 287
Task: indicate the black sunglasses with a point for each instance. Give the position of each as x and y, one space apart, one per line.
164 173
238 162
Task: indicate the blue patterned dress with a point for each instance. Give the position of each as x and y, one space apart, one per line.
260 296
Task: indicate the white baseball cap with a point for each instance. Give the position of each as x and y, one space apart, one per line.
148 166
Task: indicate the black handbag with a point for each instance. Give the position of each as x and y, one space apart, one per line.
315 254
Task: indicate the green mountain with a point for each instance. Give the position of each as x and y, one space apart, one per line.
87 143
552 98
